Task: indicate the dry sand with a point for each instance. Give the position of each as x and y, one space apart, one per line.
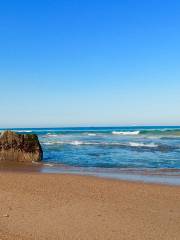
46 206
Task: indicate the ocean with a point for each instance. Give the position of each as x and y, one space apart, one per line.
111 149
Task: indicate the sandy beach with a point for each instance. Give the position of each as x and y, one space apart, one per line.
47 206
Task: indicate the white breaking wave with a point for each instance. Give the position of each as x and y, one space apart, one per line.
76 143
52 135
153 137
27 131
129 144
126 133
65 142
91 134
136 144
48 143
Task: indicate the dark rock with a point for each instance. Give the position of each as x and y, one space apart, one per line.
20 147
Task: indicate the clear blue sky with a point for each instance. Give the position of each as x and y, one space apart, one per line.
96 62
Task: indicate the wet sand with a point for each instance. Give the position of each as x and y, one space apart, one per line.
60 206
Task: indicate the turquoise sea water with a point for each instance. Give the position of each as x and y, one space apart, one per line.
139 148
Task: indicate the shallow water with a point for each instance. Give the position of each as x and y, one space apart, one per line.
169 177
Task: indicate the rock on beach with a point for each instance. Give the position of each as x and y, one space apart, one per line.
20 147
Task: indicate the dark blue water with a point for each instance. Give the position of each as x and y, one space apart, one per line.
117 147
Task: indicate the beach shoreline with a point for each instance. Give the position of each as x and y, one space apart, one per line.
154 176
66 206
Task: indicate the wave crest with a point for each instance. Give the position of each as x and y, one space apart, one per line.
136 144
23 131
126 133
128 144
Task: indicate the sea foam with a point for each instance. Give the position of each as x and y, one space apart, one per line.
136 144
126 133
26 131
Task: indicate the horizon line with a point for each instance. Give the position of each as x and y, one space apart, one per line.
90 126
